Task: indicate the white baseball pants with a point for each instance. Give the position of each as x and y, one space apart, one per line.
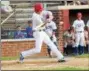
41 37
79 39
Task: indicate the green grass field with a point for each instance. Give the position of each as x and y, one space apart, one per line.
71 68
9 58
60 68
83 56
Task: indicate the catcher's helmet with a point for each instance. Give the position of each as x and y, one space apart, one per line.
38 7
49 16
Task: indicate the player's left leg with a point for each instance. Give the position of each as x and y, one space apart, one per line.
82 44
77 40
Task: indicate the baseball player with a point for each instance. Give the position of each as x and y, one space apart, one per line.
78 26
50 30
40 36
88 33
88 24
4 7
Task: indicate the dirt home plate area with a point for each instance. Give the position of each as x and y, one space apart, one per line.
44 63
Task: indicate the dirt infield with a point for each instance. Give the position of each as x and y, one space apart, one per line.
45 63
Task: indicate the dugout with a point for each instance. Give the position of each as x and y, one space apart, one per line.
71 17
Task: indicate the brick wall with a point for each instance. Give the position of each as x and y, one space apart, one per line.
58 18
14 48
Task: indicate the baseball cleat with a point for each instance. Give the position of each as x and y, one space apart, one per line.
62 60
21 58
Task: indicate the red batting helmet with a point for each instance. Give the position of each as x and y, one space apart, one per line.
38 7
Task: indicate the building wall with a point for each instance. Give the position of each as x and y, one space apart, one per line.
14 48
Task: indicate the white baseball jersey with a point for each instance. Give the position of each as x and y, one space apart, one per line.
88 23
50 27
78 25
36 20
